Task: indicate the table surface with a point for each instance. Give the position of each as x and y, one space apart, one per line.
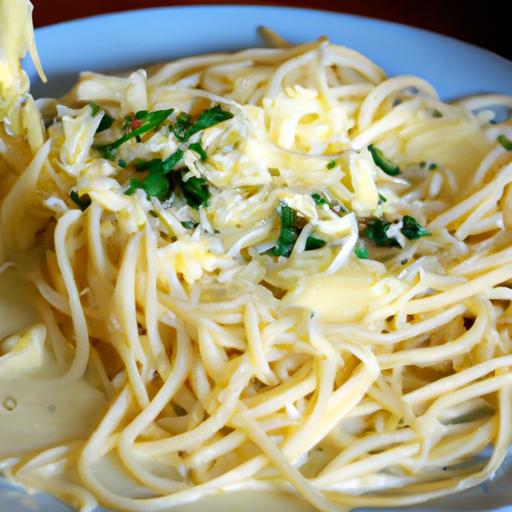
484 24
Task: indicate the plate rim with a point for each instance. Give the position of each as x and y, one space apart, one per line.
259 7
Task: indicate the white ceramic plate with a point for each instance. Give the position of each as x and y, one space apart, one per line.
137 38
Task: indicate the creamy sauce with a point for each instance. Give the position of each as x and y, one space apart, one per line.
248 501
45 413
16 310
37 410
109 471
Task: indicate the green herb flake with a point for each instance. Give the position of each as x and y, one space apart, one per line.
382 199
289 232
188 224
331 164
431 166
122 163
144 165
154 184
149 121
437 113
158 165
159 183
313 243
376 232
207 119
389 167
180 126
505 142
196 146
318 199
171 161
95 108
106 122
195 191
361 252
412 229
83 202
143 115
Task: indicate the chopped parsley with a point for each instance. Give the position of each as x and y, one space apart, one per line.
82 202
95 108
144 165
430 166
106 121
382 199
361 252
437 113
146 121
505 142
376 231
171 161
189 224
183 121
335 207
412 229
331 164
159 182
195 191
158 165
389 167
313 243
290 232
318 199
155 183
196 146
122 163
184 128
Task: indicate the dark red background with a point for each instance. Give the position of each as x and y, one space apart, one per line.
483 23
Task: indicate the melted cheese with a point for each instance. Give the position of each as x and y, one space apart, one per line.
15 311
342 297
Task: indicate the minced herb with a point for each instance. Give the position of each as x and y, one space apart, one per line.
384 163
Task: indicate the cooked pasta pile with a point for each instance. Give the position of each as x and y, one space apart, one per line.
276 269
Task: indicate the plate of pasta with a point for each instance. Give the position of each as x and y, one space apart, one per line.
252 258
